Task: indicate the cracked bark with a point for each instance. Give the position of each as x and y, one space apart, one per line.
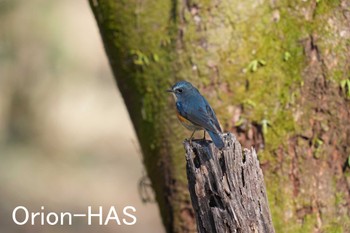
227 188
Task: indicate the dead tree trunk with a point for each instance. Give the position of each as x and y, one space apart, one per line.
227 188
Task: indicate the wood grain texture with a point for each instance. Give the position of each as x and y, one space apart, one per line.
227 188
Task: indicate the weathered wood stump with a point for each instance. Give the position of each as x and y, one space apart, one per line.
227 188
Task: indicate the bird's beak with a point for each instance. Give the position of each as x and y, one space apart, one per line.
170 91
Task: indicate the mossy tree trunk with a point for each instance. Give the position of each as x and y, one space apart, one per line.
277 74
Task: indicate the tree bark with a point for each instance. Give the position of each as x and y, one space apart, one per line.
275 72
227 188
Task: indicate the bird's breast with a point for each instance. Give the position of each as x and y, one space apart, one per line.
188 124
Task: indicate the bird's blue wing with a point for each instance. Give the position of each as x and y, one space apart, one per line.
198 111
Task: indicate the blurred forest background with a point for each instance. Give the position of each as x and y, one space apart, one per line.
66 141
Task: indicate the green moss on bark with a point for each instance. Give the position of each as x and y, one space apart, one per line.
138 38
247 53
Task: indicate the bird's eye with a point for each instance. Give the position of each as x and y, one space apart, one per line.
179 90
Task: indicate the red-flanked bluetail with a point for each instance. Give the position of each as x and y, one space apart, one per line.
195 113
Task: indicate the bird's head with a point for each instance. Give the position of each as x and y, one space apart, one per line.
181 89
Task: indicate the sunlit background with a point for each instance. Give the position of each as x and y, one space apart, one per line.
66 141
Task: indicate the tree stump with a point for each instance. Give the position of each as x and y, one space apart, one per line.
227 188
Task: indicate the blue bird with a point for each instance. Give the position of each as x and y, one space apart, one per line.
195 113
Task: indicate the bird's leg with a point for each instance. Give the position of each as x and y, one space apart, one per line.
204 135
192 135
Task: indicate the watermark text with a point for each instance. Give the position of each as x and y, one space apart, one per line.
94 215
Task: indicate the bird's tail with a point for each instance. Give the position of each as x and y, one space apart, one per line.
217 139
